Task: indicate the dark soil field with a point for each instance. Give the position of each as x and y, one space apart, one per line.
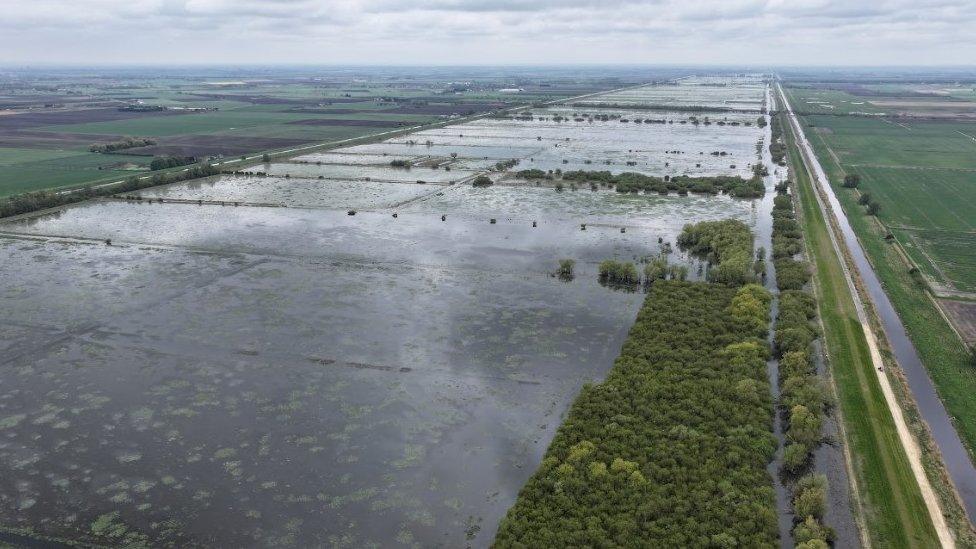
347 122
82 116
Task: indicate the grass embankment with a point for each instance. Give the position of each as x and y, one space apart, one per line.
940 349
671 449
890 503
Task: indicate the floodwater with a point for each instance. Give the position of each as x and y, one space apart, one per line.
379 173
257 375
329 193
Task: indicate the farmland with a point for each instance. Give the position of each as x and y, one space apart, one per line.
921 170
890 505
49 123
297 353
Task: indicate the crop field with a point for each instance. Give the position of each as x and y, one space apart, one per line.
42 136
926 162
356 360
923 173
902 101
33 169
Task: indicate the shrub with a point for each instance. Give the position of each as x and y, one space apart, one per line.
566 270
852 180
795 457
618 272
791 274
482 181
811 530
811 496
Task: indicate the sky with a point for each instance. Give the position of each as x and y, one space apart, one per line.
497 32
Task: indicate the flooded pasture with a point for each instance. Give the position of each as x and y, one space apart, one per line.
283 373
279 191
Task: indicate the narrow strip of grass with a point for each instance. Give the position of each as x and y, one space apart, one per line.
892 507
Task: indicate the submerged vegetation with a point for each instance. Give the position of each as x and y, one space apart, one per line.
726 245
671 449
623 273
804 400
567 269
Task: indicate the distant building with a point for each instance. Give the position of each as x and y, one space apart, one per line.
511 90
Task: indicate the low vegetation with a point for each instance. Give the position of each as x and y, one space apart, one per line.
671 450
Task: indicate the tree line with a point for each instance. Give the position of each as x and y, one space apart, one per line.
124 143
631 182
804 399
164 162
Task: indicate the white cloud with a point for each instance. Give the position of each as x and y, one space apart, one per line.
488 31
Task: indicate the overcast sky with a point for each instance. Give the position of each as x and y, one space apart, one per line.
412 32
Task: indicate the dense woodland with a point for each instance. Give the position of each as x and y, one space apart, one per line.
726 245
671 449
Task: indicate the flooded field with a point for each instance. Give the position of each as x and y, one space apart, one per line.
298 376
744 93
330 193
378 173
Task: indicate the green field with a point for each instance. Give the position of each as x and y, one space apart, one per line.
944 355
25 170
891 504
826 101
936 199
862 141
922 173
